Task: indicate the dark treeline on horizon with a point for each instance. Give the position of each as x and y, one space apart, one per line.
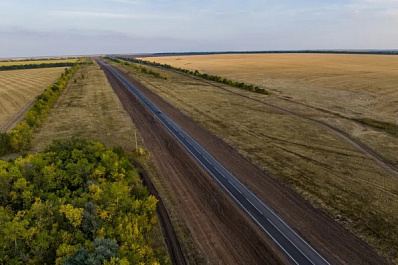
34 66
383 52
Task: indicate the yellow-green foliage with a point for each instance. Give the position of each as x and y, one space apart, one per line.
19 138
76 203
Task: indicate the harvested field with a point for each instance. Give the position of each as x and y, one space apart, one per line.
317 164
88 108
18 88
355 93
37 62
354 85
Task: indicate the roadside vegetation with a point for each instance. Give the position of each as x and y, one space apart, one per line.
18 90
77 203
89 108
19 138
328 172
139 68
196 73
34 66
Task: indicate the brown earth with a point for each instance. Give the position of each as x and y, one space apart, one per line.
220 228
337 244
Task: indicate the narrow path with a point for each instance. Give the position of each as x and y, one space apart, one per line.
176 254
18 117
367 150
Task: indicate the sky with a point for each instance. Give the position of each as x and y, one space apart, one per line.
79 27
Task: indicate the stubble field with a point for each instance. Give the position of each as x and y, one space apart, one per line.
18 88
319 165
354 85
18 62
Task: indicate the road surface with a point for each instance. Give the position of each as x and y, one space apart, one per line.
290 243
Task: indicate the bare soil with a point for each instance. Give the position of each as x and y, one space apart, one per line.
337 244
220 228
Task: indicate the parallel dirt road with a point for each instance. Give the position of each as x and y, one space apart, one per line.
220 228
234 239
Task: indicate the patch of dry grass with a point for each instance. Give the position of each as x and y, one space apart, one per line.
317 164
88 108
19 87
355 85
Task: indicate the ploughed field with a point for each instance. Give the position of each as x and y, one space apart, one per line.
18 88
319 165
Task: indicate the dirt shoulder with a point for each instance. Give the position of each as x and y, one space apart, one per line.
220 228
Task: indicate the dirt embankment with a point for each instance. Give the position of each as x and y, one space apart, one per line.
337 244
220 228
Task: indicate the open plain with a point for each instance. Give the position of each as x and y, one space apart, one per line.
319 165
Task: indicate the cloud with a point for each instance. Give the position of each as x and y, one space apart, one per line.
125 1
114 15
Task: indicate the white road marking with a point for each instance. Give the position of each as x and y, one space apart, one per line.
235 187
255 207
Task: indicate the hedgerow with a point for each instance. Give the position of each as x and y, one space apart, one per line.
34 66
77 203
140 68
196 73
19 138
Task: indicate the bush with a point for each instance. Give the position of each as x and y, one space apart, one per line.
76 203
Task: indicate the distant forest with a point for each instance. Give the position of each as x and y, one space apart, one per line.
385 52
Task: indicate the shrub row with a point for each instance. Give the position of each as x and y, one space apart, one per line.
140 68
214 78
34 66
19 139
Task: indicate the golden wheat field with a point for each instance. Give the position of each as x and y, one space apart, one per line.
19 87
5 63
353 85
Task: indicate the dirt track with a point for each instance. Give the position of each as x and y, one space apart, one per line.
176 254
337 244
220 228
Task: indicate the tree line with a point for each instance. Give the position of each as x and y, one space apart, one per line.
34 66
19 138
140 68
196 73
78 202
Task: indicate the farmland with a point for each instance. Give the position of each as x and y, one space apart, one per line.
19 88
21 62
324 169
89 109
360 85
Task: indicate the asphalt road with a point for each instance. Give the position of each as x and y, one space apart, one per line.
290 243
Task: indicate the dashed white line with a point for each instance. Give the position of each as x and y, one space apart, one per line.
234 187
254 206
207 160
